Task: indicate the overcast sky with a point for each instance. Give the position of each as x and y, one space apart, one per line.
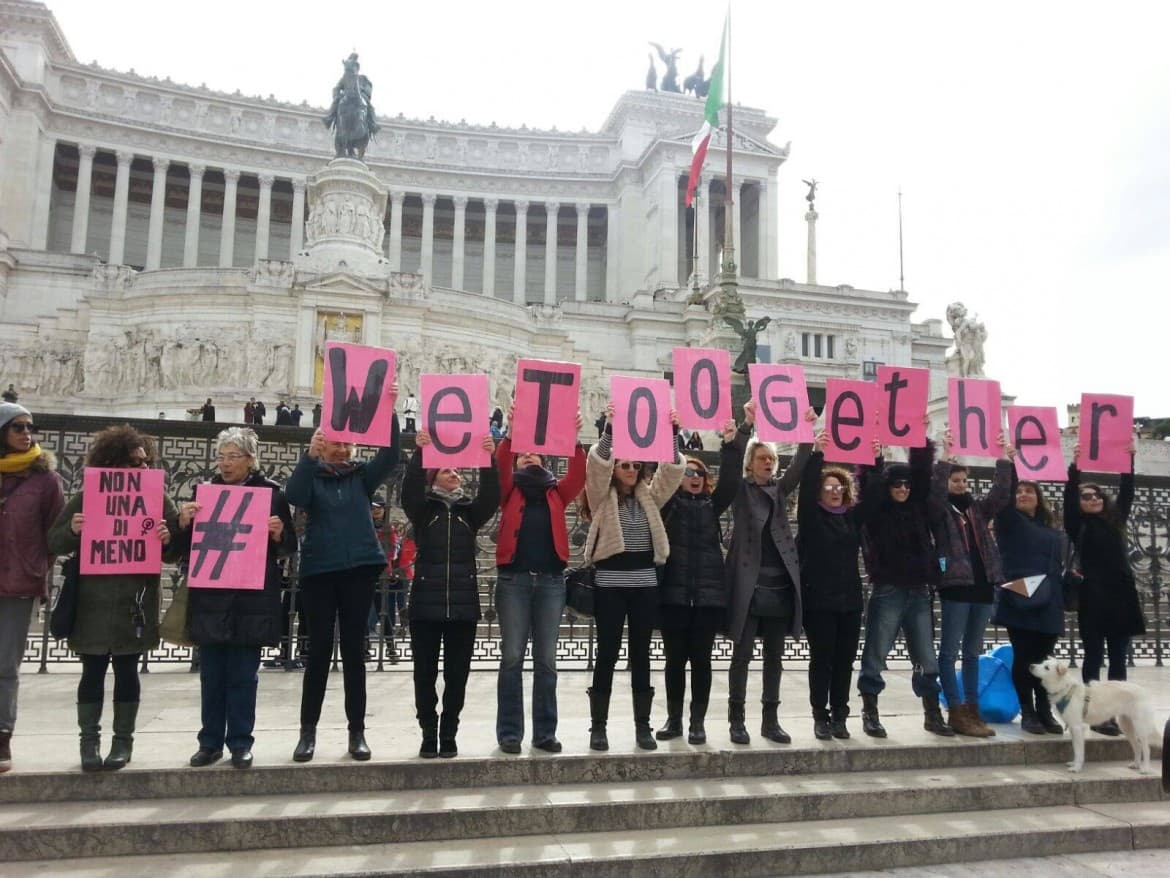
1031 141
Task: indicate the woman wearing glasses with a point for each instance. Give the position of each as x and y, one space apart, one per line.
627 542
1109 612
341 560
117 614
693 593
30 501
230 625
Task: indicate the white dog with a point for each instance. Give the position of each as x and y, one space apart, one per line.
1082 706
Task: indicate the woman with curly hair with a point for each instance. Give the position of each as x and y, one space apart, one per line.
117 613
30 500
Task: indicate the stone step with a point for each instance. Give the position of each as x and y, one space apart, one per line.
745 850
859 754
221 823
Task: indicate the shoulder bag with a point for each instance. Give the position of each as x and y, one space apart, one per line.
580 591
174 626
64 611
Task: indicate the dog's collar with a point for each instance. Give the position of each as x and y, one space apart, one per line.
1063 702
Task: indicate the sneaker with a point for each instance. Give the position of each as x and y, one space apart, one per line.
510 746
549 745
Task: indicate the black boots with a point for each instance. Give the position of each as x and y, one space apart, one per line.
598 716
306 744
822 731
735 723
1051 724
770 724
871 721
125 718
932 716
837 724
430 738
1029 722
89 719
696 734
358 748
673 727
642 732
448 726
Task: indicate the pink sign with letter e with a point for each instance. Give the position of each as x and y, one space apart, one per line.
455 414
1034 432
229 537
354 405
976 416
849 420
702 388
781 397
1106 432
547 400
122 509
641 419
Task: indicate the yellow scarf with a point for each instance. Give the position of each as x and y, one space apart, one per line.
18 463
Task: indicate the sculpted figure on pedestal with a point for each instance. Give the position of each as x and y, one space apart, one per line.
351 116
748 332
966 361
670 59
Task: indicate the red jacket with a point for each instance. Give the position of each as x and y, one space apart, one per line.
30 502
563 493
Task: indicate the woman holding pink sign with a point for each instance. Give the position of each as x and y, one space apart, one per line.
230 625
117 613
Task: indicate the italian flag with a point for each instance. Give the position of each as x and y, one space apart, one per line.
710 119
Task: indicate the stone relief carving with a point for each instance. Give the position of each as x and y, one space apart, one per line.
273 273
407 285
55 370
545 316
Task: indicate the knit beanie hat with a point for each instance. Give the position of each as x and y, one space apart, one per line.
10 410
896 471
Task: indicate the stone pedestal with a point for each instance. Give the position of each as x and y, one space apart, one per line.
345 229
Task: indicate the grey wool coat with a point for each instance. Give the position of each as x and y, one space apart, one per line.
742 568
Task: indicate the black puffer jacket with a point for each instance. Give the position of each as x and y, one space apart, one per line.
238 616
445 586
828 544
898 547
693 576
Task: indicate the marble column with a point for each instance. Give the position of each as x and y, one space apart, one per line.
737 225
296 231
46 161
772 266
117 253
702 205
194 207
81 201
457 242
395 255
811 268
227 230
427 257
158 206
551 212
580 286
668 205
489 246
520 268
264 215
613 214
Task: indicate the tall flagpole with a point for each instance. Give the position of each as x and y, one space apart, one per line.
730 303
901 265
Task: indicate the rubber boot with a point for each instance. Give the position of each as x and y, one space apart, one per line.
871 721
821 728
673 726
430 738
89 720
770 724
735 723
697 734
837 724
643 734
448 726
122 748
1051 724
932 716
5 751
598 717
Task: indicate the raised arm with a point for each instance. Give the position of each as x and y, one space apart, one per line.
487 497
288 534
1001 493
1125 493
599 465
936 503
921 463
379 469
730 469
414 491
573 483
810 489
792 474
1072 502
504 467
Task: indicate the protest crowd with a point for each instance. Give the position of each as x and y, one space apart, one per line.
654 558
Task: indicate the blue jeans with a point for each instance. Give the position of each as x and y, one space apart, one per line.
892 609
227 677
963 625
530 606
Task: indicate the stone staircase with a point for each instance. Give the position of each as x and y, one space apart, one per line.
758 811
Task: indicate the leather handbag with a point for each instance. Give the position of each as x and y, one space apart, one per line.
174 625
580 591
64 612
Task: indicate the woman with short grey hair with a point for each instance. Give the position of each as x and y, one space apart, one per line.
231 625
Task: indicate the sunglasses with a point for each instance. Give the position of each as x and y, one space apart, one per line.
833 489
630 464
229 458
692 473
24 428
900 483
1092 495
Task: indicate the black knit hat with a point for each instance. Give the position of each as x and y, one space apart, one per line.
896 471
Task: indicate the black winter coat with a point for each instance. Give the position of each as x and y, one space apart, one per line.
445 586
899 550
955 532
828 544
1029 548
693 575
240 616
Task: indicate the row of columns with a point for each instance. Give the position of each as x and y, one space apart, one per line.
766 224
227 235
519 277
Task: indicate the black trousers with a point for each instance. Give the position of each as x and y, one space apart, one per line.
832 647
91 689
1096 640
614 608
341 596
771 629
457 642
689 637
1029 648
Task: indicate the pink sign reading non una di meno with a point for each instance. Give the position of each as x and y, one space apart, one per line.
356 406
902 396
641 419
547 401
849 420
123 509
702 388
975 410
229 537
1105 433
1034 432
454 410
781 397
